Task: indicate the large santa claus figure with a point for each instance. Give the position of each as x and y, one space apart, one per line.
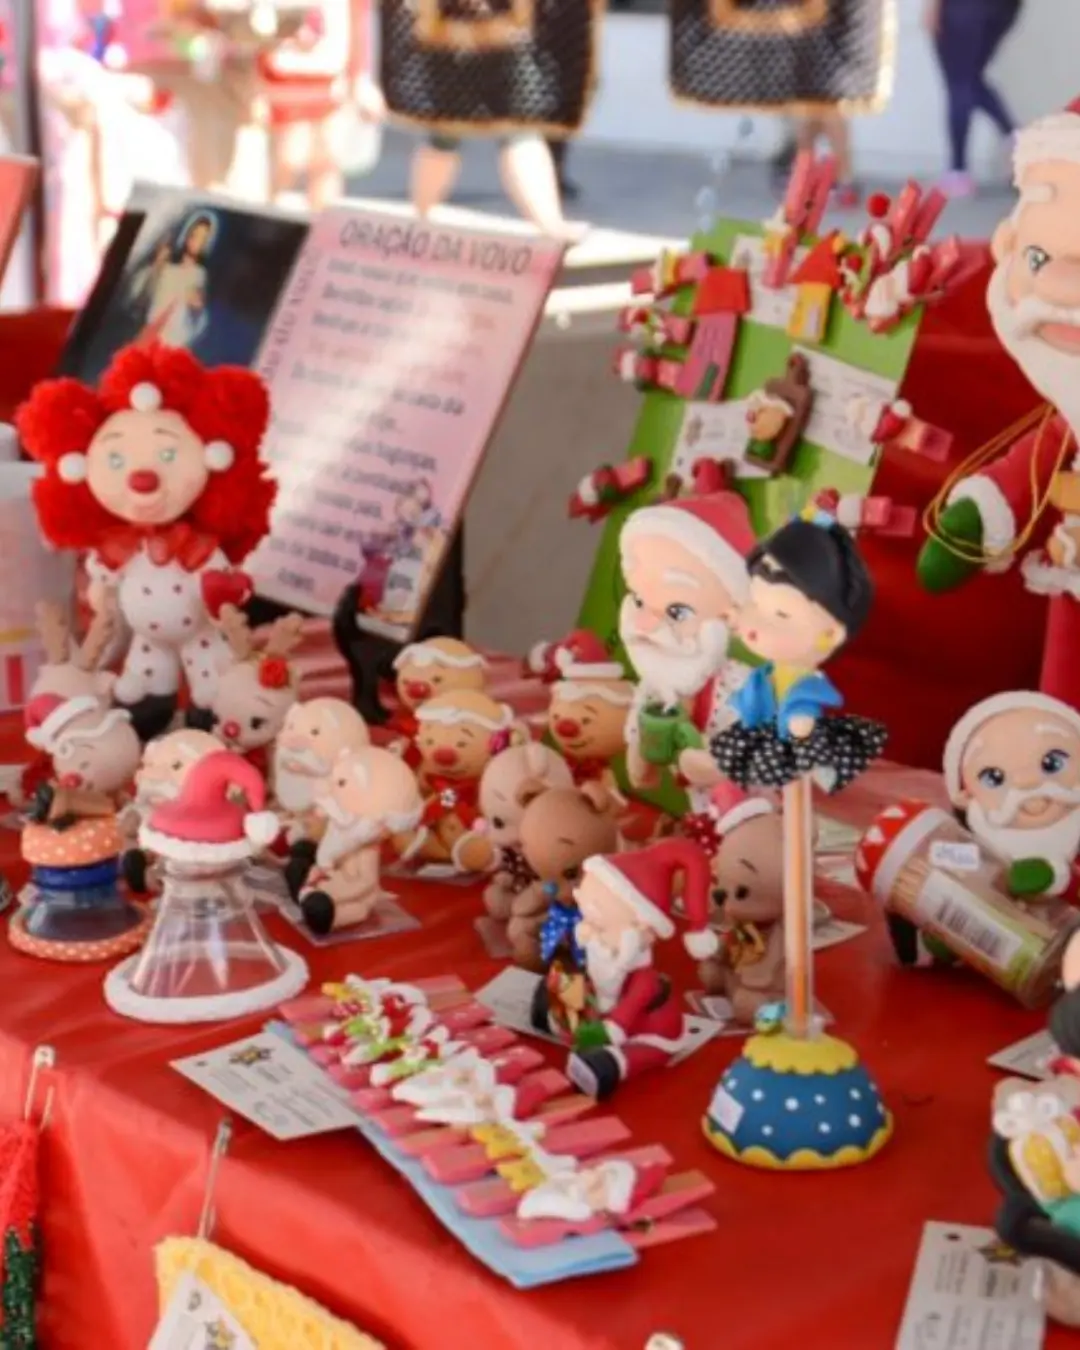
991 515
684 565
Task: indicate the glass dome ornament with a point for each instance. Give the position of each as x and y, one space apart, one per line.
208 956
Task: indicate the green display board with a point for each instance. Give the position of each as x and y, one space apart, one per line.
875 362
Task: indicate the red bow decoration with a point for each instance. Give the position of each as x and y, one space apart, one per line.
451 797
220 588
178 542
587 770
273 672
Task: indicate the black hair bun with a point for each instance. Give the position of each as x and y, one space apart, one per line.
821 562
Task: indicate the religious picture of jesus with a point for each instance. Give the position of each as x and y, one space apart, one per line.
170 289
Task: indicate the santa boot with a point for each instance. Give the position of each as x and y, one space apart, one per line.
528 175
134 865
432 177
318 911
598 1073
301 861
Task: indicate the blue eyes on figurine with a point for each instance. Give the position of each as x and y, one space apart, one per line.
991 778
677 613
1054 761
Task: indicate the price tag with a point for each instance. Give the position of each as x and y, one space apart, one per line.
955 855
196 1319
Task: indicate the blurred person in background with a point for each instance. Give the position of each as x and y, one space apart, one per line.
967 34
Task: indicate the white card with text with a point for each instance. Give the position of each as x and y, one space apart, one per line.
970 1292
196 1319
273 1084
1030 1058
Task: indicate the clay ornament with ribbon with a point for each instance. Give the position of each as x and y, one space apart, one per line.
157 476
371 798
460 732
1019 491
423 670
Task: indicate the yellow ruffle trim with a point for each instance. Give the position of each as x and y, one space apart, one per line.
787 1054
803 1159
273 1315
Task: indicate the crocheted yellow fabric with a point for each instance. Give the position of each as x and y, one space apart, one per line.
273 1315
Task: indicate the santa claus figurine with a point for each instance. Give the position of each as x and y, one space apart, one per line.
1012 767
684 566
157 475
626 905
93 751
989 515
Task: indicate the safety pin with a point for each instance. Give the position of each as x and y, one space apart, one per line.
222 1139
44 1059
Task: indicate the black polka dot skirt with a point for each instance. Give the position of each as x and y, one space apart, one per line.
834 754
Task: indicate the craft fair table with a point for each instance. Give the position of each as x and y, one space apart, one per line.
811 1260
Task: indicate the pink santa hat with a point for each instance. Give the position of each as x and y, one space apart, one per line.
1053 137
731 807
977 716
645 880
205 823
714 527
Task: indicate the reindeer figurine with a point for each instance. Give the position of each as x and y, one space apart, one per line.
255 693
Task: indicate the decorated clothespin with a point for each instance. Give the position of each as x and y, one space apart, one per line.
874 515
669 273
655 326
634 367
897 428
606 487
799 214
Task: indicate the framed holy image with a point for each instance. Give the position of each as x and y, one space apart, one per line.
474 25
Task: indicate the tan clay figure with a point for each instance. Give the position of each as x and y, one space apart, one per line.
587 716
256 691
425 670
560 828
312 735
748 900
370 797
777 415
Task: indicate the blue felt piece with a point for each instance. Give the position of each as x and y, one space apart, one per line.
76 878
785 1112
524 1268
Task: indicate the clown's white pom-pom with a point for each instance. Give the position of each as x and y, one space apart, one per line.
701 943
218 456
72 468
146 398
261 828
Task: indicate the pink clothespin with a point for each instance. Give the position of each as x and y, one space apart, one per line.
876 515
669 273
602 490
899 429
801 213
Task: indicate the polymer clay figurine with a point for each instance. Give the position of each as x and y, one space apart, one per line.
255 693
560 828
777 415
586 720
748 906
684 565
370 798
809 593
1012 766
625 901
94 752
459 734
502 808
996 505
157 475
423 670
1035 1157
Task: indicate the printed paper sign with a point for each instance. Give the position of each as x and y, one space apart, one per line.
273 1084
1030 1058
196 1319
390 357
955 855
838 390
767 305
510 994
715 431
970 1290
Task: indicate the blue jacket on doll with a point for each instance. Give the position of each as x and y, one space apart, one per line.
756 703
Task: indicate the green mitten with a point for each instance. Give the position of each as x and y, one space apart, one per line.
591 1036
938 567
1030 876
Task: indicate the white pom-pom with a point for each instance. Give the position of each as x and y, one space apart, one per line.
901 408
587 492
218 456
72 468
262 828
701 943
849 512
146 398
537 658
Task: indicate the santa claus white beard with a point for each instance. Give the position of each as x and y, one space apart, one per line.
670 667
1051 372
152 792
609 969
1056 844
297 774
345 837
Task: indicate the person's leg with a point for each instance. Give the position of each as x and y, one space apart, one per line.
838 135
998 19
959 56
434 170
559 149
528 175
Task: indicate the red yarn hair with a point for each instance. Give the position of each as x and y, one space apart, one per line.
61 417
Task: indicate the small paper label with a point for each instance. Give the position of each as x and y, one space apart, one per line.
273 1084
970 1290
955 855
833 932
1030 1058
196 1319
725 1110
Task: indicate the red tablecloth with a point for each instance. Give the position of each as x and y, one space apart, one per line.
795 1260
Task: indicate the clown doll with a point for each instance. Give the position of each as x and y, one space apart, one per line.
156 474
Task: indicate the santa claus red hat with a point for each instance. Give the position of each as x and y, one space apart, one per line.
1054 137
731 807
46 716
645 880
715 528
975 717
205 823
580 656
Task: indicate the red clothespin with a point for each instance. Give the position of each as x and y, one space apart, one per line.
607 486
801 213
875 515
669 273
899 429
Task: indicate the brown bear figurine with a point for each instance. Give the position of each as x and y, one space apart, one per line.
559 829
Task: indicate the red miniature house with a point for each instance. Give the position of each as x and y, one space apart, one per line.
721 300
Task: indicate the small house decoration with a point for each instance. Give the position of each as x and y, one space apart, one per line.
721 300
816 280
